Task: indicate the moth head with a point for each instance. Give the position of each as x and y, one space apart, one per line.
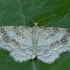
35 24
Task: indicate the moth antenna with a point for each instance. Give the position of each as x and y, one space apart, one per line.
45 18
30 19
46 25
27 18
64 17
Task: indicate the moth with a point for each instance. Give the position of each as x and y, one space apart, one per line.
26 43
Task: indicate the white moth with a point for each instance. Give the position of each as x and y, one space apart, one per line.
26 43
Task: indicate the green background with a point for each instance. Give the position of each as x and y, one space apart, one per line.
12 12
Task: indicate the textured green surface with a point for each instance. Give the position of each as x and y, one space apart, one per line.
10 11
